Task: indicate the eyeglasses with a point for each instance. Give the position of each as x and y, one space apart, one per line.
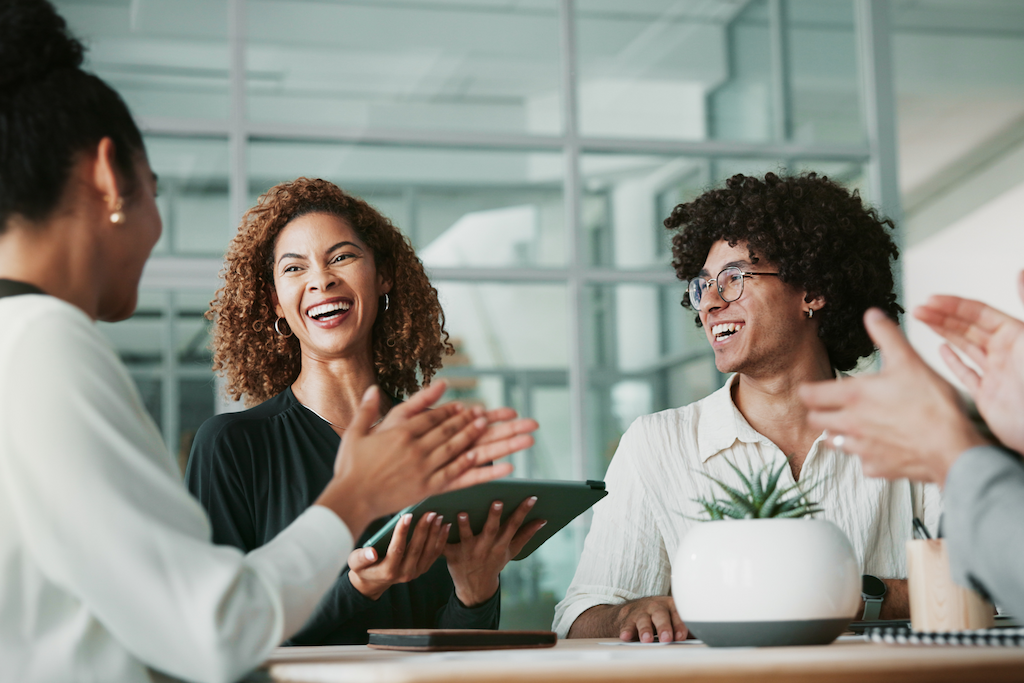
729 283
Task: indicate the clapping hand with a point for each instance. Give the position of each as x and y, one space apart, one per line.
905 421
994 341
415 453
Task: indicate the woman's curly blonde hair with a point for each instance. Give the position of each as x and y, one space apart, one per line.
257 362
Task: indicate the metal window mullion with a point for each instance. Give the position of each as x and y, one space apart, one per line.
571 191
878 100
238 179
237 140
171 227
276 132
779 36
554 275
169 410
192 272
440 139
575 283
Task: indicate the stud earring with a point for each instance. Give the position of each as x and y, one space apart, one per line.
117 215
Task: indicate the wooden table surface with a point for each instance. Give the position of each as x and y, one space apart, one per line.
594 661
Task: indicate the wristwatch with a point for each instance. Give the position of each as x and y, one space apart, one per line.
873 591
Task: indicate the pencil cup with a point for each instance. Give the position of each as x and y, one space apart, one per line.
937 604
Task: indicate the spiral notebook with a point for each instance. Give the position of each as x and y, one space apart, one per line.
989 637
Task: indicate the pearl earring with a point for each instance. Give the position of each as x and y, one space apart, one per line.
117 215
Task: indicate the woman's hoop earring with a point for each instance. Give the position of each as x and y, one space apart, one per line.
810 313
277 328
387 301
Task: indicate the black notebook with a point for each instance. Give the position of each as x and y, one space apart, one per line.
901 635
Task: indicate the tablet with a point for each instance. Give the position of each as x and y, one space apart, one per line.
559 502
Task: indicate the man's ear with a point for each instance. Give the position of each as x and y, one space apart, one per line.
815 302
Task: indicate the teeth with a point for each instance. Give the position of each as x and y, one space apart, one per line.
723 328
323 309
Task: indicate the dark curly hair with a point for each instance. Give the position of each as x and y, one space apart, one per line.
51 111
822 238
257 362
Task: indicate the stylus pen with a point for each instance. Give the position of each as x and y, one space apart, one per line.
920 530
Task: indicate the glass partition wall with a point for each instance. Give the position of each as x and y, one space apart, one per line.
529 149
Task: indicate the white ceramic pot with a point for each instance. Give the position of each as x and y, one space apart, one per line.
757 582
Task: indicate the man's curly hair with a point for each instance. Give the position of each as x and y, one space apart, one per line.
821 237
259 363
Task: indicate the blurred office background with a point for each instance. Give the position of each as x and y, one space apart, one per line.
531 148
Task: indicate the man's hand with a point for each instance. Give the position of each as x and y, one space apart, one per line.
405 559
415 453
994 341
476 561
633 620
906 421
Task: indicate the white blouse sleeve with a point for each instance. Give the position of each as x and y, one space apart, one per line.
624 556
104 515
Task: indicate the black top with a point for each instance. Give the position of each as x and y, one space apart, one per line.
257 470
17 288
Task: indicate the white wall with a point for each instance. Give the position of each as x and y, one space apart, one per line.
977 257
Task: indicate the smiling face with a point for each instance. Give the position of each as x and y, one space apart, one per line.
326 286
766 329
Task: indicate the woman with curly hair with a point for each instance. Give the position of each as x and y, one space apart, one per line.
780 271
324 298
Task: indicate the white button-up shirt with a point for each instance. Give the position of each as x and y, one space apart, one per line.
107 572
655 477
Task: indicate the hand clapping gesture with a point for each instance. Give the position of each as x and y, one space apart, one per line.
994 341
905 421
440 434
416 453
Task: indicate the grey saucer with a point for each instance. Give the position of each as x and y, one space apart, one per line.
768 633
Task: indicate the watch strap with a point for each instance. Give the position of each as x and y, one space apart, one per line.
872 608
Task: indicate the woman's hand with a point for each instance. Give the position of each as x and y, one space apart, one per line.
403 562
502 424
503 435
904 421
995 342
475 561
414 453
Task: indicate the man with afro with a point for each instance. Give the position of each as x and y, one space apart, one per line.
780 272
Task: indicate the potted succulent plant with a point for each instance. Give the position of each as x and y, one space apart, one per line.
765 572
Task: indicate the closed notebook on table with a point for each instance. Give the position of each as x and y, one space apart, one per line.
558 502
437 639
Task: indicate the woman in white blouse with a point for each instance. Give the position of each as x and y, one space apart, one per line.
107 572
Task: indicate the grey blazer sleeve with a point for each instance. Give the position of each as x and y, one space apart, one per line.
984 524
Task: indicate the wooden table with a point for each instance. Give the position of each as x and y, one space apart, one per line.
592 661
